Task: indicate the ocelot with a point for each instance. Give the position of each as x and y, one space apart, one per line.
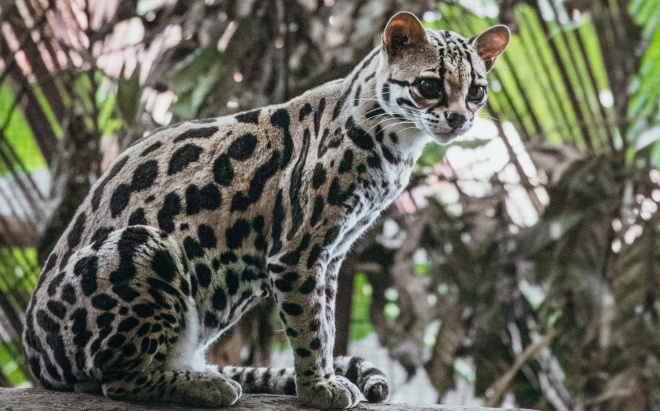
197 222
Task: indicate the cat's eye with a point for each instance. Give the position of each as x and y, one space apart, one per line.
429 88
476 93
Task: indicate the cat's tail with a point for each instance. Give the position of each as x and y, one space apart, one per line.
369 379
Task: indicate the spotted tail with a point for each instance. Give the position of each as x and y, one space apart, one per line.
369 379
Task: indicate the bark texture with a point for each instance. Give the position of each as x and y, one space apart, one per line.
38 399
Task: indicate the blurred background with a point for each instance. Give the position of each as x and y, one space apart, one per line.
520 267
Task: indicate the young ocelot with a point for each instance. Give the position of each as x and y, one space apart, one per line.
197 222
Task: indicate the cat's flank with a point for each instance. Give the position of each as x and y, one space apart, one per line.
197 222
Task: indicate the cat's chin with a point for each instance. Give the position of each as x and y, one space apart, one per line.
444 138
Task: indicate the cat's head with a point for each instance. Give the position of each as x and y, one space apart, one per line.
436 79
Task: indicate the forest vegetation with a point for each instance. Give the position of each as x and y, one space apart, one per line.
531 246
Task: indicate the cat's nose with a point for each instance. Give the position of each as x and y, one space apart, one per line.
455 120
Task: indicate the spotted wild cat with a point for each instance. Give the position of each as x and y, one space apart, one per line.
195 223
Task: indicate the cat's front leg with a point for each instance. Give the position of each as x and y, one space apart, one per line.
371 381
308 316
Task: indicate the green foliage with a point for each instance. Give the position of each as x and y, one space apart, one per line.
645 100
360 322
18 276
18 135
604 303
527 85
91 114
95 99
44 105
646 95
19 270
108 122
194 79
8 367
128 96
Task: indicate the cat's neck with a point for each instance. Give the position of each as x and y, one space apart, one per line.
354 101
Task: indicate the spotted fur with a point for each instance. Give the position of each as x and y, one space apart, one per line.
197 222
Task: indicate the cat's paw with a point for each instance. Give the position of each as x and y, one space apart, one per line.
219 391
337 393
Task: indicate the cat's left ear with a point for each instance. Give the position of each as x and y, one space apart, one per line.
491 43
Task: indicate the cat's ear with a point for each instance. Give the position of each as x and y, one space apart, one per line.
491 43
403 31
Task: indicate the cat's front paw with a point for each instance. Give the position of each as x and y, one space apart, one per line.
337 392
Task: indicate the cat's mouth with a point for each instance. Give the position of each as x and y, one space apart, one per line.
443 134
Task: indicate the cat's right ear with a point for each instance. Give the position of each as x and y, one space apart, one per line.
402 32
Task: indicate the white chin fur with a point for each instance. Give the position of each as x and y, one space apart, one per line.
444 138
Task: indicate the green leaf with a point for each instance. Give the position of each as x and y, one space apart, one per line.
18 134
194 79
128 96
189 103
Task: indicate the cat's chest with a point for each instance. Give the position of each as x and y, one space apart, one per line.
382 187
374 193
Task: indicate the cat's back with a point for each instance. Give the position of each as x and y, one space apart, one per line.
187 170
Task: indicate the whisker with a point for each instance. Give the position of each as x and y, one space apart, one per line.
381 122
388 126
413 127
392 125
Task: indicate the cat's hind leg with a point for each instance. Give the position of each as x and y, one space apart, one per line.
147 347
201 389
